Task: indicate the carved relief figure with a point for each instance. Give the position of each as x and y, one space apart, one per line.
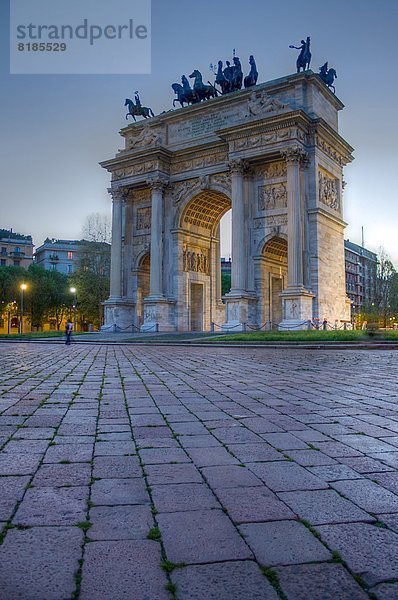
275 170
195 260
144 218
329 191
272 196
147 137
262 104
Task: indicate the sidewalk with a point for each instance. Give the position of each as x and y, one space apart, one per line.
152 473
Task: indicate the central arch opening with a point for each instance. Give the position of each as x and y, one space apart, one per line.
199 244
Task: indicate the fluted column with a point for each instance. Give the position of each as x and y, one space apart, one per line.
157 185
294 158
238 271
118 196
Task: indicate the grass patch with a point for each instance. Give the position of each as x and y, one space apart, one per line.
154 534
84 525
302 336
274 580
171 587
168 566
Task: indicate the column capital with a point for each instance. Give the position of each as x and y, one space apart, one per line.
158 182
294 154
237 166
119 194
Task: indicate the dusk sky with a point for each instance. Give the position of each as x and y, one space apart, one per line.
56 128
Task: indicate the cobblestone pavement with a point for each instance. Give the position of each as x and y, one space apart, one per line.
197 473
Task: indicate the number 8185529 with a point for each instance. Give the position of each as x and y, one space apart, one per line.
42 47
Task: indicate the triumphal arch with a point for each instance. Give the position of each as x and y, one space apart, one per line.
271 153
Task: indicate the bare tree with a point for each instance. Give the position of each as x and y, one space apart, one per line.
97 228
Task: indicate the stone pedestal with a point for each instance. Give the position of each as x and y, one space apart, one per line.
158 315
240 313
118 315
297 309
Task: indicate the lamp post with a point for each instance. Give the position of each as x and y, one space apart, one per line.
73 291
22 287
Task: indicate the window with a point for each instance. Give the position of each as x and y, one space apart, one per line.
70 256
17 250
53 267
4 250
3 262
17 263
69 268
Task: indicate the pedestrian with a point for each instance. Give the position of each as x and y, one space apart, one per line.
68 331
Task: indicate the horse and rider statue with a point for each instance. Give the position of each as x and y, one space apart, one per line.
328 76
304 58
137 110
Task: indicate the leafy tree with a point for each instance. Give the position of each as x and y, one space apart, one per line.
91 290
384 296
225 283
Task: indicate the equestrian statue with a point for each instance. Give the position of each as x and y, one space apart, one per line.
137 110
328 76
304 58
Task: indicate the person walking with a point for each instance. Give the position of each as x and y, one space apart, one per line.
68 331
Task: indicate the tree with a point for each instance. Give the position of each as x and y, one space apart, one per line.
225 283
97 228
92 290
384 296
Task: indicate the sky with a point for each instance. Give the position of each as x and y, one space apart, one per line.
55 129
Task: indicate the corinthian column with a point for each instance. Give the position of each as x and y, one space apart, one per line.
157 185
294 158
118 197
238 270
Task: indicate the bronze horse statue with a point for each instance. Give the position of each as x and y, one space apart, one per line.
205 92
251 79
328 76
136 110
304 58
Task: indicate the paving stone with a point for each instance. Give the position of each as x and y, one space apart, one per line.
253 504
368 495
310 458
183 496
365 464
52 506
189 428
18 463
374 553
114 448
283 543
388 458
57 475
259 452
74 439
286 476
118 436
285 441
365 443
166 474
205 536
386 591
230 476
48 571
150 433
123 569
337 449
12 490
323 506
260 425
35 433
387 480
111 492
120 522
73 453
109 467
235 435
334 472
156 456
319 582
241 580
205 457
199 441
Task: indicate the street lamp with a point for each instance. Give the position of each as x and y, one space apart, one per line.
73 291
22 287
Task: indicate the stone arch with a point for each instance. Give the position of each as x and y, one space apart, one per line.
198 240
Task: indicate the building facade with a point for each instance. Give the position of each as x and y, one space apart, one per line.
274 156
66 256
361 275
58 255
16 250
